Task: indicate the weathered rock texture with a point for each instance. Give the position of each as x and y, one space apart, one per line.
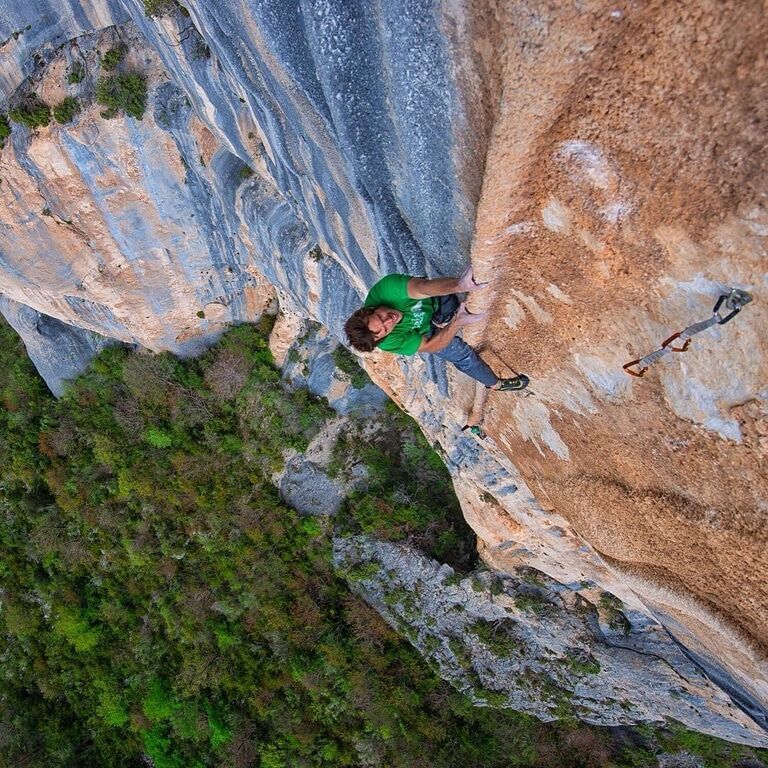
530 643
602 161
125 227
311 365
624 191
42 333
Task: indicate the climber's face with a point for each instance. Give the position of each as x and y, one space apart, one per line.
382 321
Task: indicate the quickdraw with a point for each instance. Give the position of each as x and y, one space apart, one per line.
735 300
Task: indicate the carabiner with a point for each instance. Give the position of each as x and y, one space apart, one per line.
639 374
735 301
684 348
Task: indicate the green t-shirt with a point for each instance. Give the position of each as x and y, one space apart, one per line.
405 338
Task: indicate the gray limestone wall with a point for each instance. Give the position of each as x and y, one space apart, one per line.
75 347
366 140
525 641
349 114
32 30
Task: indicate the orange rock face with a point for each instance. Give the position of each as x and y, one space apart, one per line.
624 191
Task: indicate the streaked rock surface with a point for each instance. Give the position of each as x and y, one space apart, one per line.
530 643
126 228
75 347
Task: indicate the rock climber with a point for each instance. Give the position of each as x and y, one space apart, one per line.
406 315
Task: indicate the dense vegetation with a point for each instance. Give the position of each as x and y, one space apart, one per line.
158 598
122 93
65 111
32 112
407 492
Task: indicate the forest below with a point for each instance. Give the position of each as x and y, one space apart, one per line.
160 600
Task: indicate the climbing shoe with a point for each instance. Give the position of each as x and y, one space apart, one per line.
520 381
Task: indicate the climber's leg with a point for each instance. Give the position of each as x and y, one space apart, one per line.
468 361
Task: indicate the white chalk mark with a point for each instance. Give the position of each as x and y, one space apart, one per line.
558 294
556 217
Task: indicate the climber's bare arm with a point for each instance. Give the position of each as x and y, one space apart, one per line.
424 288
442 338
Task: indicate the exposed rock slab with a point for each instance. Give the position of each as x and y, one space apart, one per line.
311 364
60 352
308 489
531 643
624 192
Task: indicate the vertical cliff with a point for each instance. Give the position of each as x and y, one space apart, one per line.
602 163
623 194
124 227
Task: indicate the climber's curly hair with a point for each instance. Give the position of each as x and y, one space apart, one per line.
357 331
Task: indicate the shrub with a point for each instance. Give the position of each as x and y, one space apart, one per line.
614 614
159 7
5 130
159 703
227 373
66 110
499 636
532 602
112 708
122 93
31 112
71 625
76 73
112 58
347 363
157 438
161 751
